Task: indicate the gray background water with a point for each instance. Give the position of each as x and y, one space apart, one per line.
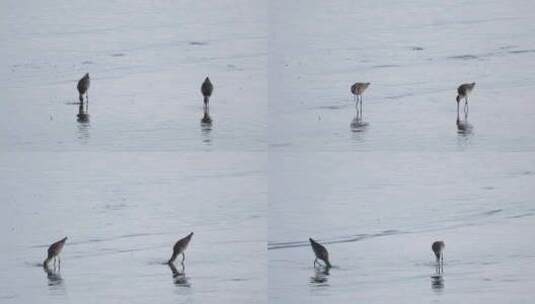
378 213
415 54
123 212
147 61
282 161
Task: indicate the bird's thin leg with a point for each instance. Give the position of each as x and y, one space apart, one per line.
315 261
358 107
183 257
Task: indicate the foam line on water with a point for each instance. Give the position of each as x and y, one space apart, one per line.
346 239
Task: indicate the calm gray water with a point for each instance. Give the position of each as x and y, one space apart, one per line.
147 61
415 54
378 214
123 212
284 158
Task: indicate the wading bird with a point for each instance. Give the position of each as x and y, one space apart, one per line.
357 89
206 89
438 249
320 252
206 120
53 252
462 92
83 87
180 247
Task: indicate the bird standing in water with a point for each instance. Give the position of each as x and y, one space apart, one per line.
438 250
83 87
357 89
206 89
180 247
321 253
462 92
53 252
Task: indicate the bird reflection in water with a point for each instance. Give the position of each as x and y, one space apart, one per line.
437 282
321 276
83 121
83 112
53 275
357 124
179 277
206 125
464 128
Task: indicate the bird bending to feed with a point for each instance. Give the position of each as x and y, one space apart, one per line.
54 250
438 249
321 253
357 89
462 92
83 87
180 247
206 89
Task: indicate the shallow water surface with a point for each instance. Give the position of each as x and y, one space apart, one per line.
123 213
147 61
414 54
378 213
281 154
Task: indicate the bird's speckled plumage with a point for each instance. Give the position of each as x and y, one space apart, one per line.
55 249
180 246
320 251
206 89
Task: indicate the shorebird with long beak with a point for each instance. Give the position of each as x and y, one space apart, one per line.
180 247
438 250
321 253
53 252
206 89
83 87
462 92
357 89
